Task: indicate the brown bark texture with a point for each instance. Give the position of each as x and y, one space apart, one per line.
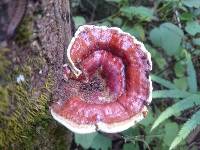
55 32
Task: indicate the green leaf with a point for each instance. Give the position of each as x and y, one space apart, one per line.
192 27
101 142
186 16
85 140
181 83
131 132
159 60
171 130
93 140
152 50
128 12
163 82
143 13
79 20
170 94
130 146
168 36
105 23
187 128
191 3
136 31
116 1
179 69
117 21
192 79
196 41
177 108
156 37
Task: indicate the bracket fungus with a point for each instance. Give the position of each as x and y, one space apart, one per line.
107 83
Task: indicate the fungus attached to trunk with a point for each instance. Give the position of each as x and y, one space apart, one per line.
108 87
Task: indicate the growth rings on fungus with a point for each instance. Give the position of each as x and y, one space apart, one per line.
108 86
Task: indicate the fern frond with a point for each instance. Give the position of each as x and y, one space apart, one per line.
176 108
163 82
187 128
170 94
192 80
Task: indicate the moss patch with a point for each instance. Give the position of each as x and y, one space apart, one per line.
18 108
24 31
25 122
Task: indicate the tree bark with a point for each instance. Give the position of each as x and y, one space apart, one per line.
36 53
55 32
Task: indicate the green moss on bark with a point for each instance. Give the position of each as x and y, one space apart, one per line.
25 122
24 31
20 107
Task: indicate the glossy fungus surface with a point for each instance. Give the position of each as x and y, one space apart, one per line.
109 87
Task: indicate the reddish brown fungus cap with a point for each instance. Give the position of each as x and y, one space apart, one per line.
109 87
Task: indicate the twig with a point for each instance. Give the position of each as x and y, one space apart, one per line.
178 18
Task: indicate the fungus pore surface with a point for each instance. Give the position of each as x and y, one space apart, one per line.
107 83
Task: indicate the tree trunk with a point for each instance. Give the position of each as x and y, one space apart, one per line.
38 61
55 32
